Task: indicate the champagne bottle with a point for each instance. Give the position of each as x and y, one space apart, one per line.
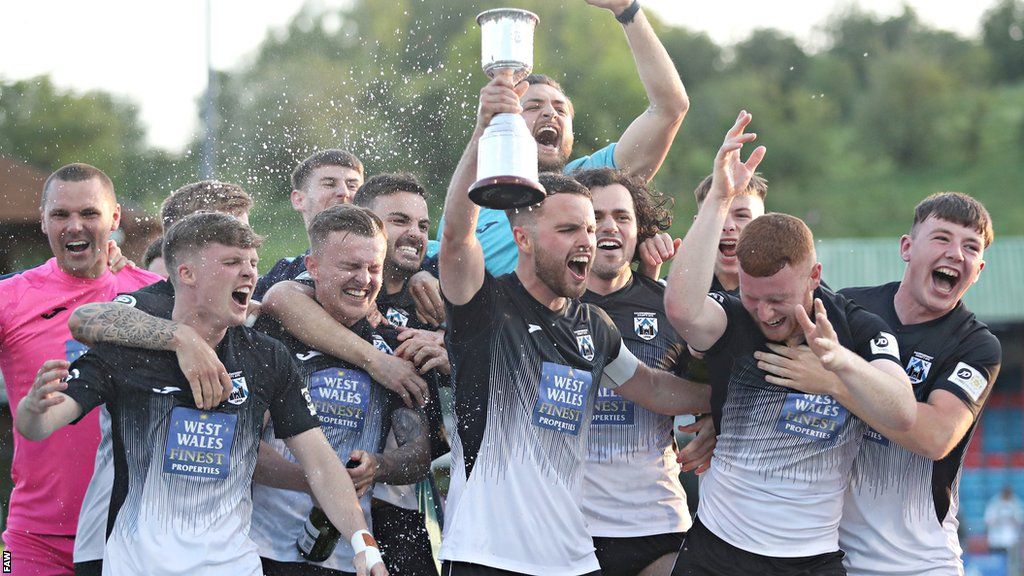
318 537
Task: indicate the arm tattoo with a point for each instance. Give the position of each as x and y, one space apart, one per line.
121 324
410 462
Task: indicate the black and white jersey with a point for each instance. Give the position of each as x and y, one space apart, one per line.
181 501
354 412
783 457
899 516
631 480
399 310
90 538
525 380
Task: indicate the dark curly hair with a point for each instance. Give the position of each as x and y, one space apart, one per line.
653 210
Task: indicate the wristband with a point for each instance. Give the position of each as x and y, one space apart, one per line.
362 541
629 13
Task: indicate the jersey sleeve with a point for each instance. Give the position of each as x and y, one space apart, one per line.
152 303
872 339
732 306
603 158
971 375
620 369
620 363
471 319
291 408
91 380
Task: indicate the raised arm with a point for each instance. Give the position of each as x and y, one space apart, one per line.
293 305
645 143
46 409
461 260
124 325
696 317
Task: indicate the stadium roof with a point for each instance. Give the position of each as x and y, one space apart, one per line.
997 297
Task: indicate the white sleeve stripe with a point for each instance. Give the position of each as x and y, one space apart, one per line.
621 369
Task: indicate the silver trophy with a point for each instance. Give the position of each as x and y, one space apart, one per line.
506 165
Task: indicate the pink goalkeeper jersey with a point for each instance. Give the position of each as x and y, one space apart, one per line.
50 477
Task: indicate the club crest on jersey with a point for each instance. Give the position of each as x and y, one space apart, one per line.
239 389
380 344
918 368
645 324
585 343
397 316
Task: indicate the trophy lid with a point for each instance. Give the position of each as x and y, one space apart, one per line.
506 14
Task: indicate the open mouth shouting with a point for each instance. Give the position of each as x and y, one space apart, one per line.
548 137
578 265
945 279
727 247
241 296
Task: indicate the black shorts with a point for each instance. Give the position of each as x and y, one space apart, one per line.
466 569
403 540
628 556
92 568
704 554
275 568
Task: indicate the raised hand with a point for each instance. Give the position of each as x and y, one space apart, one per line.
821 337
499 96
731 175
616 6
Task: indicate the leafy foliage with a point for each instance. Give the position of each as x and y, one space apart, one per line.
885 112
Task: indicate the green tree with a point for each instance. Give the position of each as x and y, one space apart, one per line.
775 55
910 109
48 127
1003 36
